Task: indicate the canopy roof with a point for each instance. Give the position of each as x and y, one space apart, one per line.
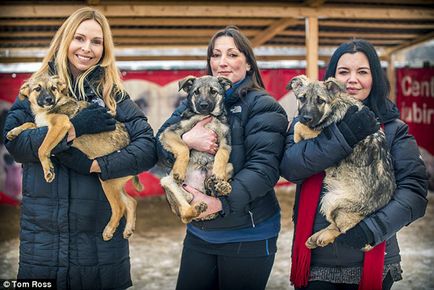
180 30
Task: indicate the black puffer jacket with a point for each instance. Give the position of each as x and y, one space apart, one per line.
258 124
303 159
62 221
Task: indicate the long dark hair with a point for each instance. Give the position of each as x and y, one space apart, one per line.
378 96
253 77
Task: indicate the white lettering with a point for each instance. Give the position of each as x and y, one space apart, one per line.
416 114
18 284
37 284
415 88
406 85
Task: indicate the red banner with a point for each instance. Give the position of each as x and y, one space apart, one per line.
415 100
275 79
156 92
10 84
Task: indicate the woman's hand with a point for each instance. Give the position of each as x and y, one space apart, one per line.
200 138
214 204
93 119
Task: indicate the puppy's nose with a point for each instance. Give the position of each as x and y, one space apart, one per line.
203 105
305 118
48 100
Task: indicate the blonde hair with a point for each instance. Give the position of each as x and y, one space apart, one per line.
110 84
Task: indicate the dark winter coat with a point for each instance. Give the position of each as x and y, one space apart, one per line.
303 159
62 221
258 124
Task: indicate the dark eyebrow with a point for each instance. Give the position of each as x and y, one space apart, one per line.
234 49
99 38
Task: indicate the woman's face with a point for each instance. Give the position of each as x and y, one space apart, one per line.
227 61
354 71
86 47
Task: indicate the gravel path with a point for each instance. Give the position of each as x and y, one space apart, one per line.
156 247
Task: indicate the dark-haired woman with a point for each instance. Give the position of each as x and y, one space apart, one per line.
236 250
340 265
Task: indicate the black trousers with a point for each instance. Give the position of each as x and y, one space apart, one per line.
321 285
209 270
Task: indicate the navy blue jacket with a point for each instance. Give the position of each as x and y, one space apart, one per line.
62 221
302 160
258 125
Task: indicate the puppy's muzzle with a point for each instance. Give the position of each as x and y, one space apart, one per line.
45 99
205 107
305 119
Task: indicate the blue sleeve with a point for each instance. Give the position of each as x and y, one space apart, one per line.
263 142
140 154
409 200
165 158
308 157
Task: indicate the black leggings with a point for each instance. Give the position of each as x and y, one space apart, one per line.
321 285
202 271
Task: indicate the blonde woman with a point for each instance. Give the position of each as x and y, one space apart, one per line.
62 221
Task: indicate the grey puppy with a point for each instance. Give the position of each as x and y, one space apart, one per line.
206 172
361 183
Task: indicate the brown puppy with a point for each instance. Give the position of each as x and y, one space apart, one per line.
52 107
206 172
361 183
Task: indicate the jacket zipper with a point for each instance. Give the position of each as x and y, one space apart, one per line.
251 218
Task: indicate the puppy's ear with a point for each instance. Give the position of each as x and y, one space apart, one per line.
186 83
334 86
24 91
60 84
296 83
225 83
63 88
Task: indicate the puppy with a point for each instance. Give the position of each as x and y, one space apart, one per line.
52 107
206 172
361 183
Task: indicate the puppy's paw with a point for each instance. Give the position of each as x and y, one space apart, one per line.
223 187
178 177
327 236
209 185
201 207
311 243
128 232
50 175
12 134
108 233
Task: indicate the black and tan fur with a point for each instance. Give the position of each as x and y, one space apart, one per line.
361 183
52 107
206 172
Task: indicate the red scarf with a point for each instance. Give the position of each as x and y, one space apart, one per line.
372 273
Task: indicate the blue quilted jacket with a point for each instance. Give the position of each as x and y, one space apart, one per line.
62 221
408 203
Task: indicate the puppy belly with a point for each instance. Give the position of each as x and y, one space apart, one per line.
195 178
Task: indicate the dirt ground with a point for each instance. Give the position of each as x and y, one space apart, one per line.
156 246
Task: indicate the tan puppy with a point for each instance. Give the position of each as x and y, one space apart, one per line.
52 107
206 172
